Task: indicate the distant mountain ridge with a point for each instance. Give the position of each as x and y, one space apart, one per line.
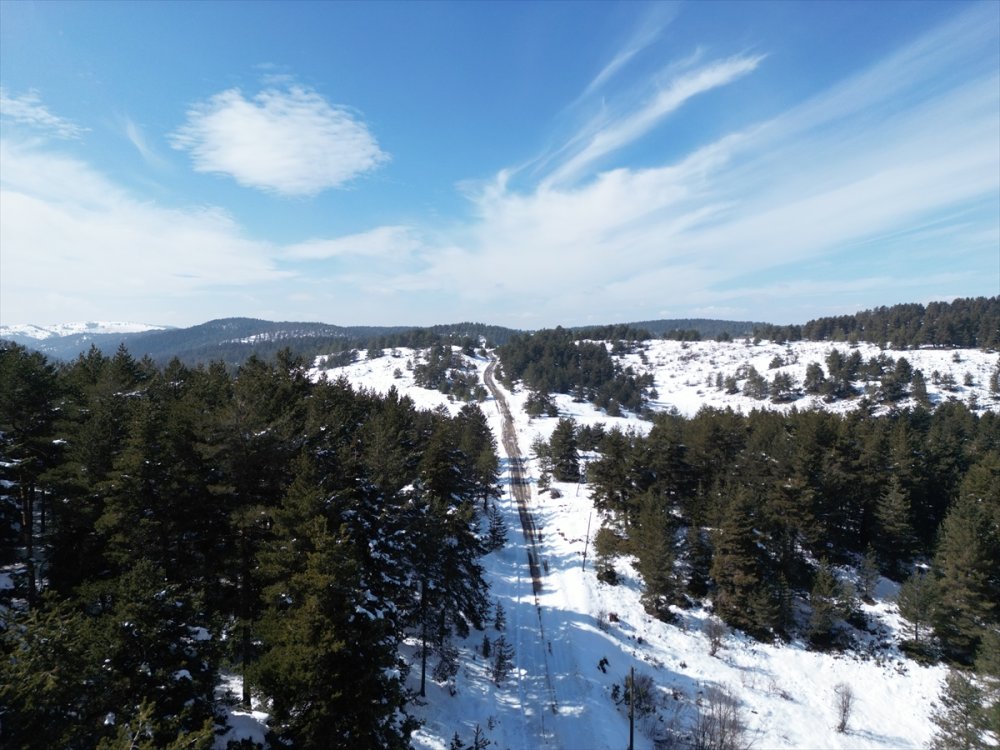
87 328
973 323
233 340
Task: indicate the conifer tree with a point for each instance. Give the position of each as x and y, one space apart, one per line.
565 460
744 596
916 599
503 659
128 641
652 541
966 563
988 670
496 534
830 604
919 386
452 590
330 663
959 715
29 389
895 538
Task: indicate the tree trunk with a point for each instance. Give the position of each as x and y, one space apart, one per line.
28 536
244 615
423 636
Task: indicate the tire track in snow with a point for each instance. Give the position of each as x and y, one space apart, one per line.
521 492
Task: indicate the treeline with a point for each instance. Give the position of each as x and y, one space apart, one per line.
165 523
705 328
562 361
756 511
964 323
444 370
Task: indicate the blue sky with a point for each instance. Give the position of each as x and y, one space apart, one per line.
521 164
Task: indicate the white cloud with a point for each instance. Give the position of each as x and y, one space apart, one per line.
837 183
69 232
288 141
608 138
647 33
27 109
382 242
138 139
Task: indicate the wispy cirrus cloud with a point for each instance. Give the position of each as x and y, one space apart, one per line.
647 32
137 138
381 242
601 139
821 198
290 141
28 110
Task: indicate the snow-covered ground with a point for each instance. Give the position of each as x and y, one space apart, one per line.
584 636
685 372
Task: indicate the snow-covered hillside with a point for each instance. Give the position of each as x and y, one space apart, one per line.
581 637
56 330
686 372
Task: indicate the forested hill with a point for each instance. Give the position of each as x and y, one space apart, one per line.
183 520
234 340
706 328
962 323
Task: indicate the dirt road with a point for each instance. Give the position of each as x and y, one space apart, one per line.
520 487
519 484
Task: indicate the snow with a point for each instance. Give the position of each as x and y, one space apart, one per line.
250 725
682 371
557 695
55 330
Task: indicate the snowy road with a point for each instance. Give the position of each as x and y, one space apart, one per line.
534 650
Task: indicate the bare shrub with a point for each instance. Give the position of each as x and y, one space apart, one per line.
643 692
716 631
843 704
720 724
602 620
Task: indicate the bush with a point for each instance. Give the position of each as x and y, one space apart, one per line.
843 705
720 724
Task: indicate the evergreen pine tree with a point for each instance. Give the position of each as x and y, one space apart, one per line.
828 602
895 539
29 389
916 599
959 716
966 563
496 534
330 660
499 617
503 659
868 576
565 460
652 541
744 597
919 386
988 670
700 562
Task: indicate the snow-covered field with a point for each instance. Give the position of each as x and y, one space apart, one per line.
685 372
582 637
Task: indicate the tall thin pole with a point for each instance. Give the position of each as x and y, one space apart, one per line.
586 541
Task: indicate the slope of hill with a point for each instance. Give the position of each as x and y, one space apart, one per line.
233 340
575 644
686 374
